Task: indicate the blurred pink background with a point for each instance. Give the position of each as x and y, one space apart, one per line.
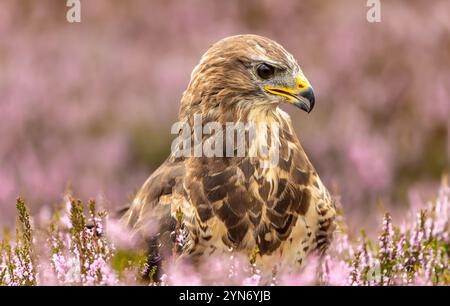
89 105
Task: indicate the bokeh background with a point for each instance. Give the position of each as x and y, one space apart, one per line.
88 106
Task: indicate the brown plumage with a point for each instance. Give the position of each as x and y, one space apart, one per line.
283 212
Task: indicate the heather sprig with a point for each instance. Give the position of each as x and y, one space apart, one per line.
85 256
25 272
17 260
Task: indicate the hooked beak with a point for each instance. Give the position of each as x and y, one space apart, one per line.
301 95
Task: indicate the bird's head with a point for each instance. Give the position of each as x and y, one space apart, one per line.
246 71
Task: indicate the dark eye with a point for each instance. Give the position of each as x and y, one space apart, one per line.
265 71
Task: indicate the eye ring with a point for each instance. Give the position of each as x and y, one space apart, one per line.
265 71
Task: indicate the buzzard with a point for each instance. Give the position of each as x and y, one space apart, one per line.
280 213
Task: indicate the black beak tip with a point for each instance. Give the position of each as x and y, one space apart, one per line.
309 95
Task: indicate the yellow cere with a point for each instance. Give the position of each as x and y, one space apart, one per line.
302 83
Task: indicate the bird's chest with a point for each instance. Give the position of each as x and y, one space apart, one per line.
290 219
252 208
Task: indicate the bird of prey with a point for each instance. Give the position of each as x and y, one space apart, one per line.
280 213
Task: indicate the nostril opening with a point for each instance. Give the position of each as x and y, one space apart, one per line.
301 86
